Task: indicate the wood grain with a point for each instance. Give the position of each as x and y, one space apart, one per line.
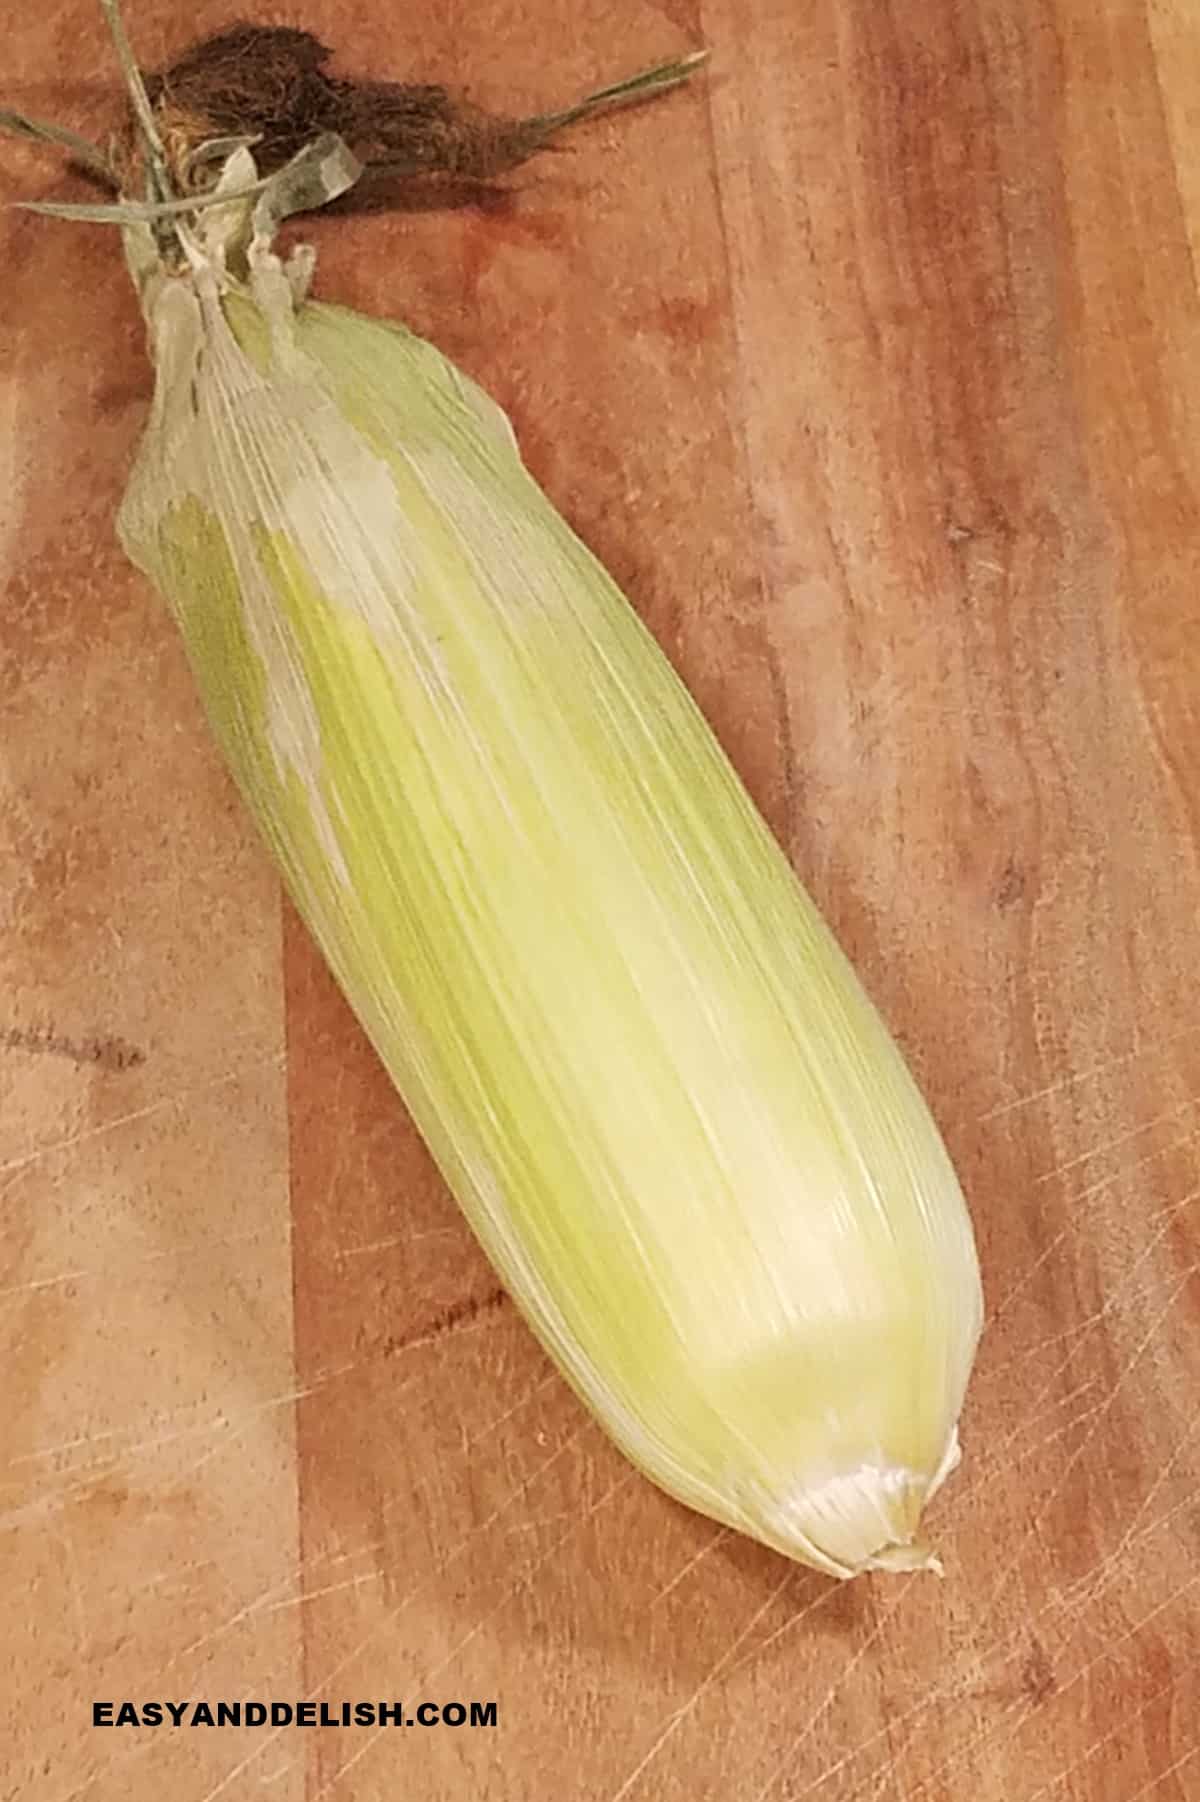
871 367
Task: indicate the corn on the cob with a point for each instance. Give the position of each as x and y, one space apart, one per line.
645 1068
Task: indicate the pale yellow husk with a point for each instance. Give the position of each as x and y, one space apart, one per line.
649 1075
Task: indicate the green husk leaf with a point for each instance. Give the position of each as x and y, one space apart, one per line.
86 154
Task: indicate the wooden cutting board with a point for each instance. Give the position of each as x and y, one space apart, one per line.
871 367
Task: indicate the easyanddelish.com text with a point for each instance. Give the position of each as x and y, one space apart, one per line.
294 1714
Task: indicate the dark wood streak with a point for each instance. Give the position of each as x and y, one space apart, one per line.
450 1319
1037 1675
109 1054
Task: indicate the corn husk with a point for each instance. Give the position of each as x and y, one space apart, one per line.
649 1075
647 1072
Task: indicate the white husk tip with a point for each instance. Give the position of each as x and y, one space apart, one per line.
860 1520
